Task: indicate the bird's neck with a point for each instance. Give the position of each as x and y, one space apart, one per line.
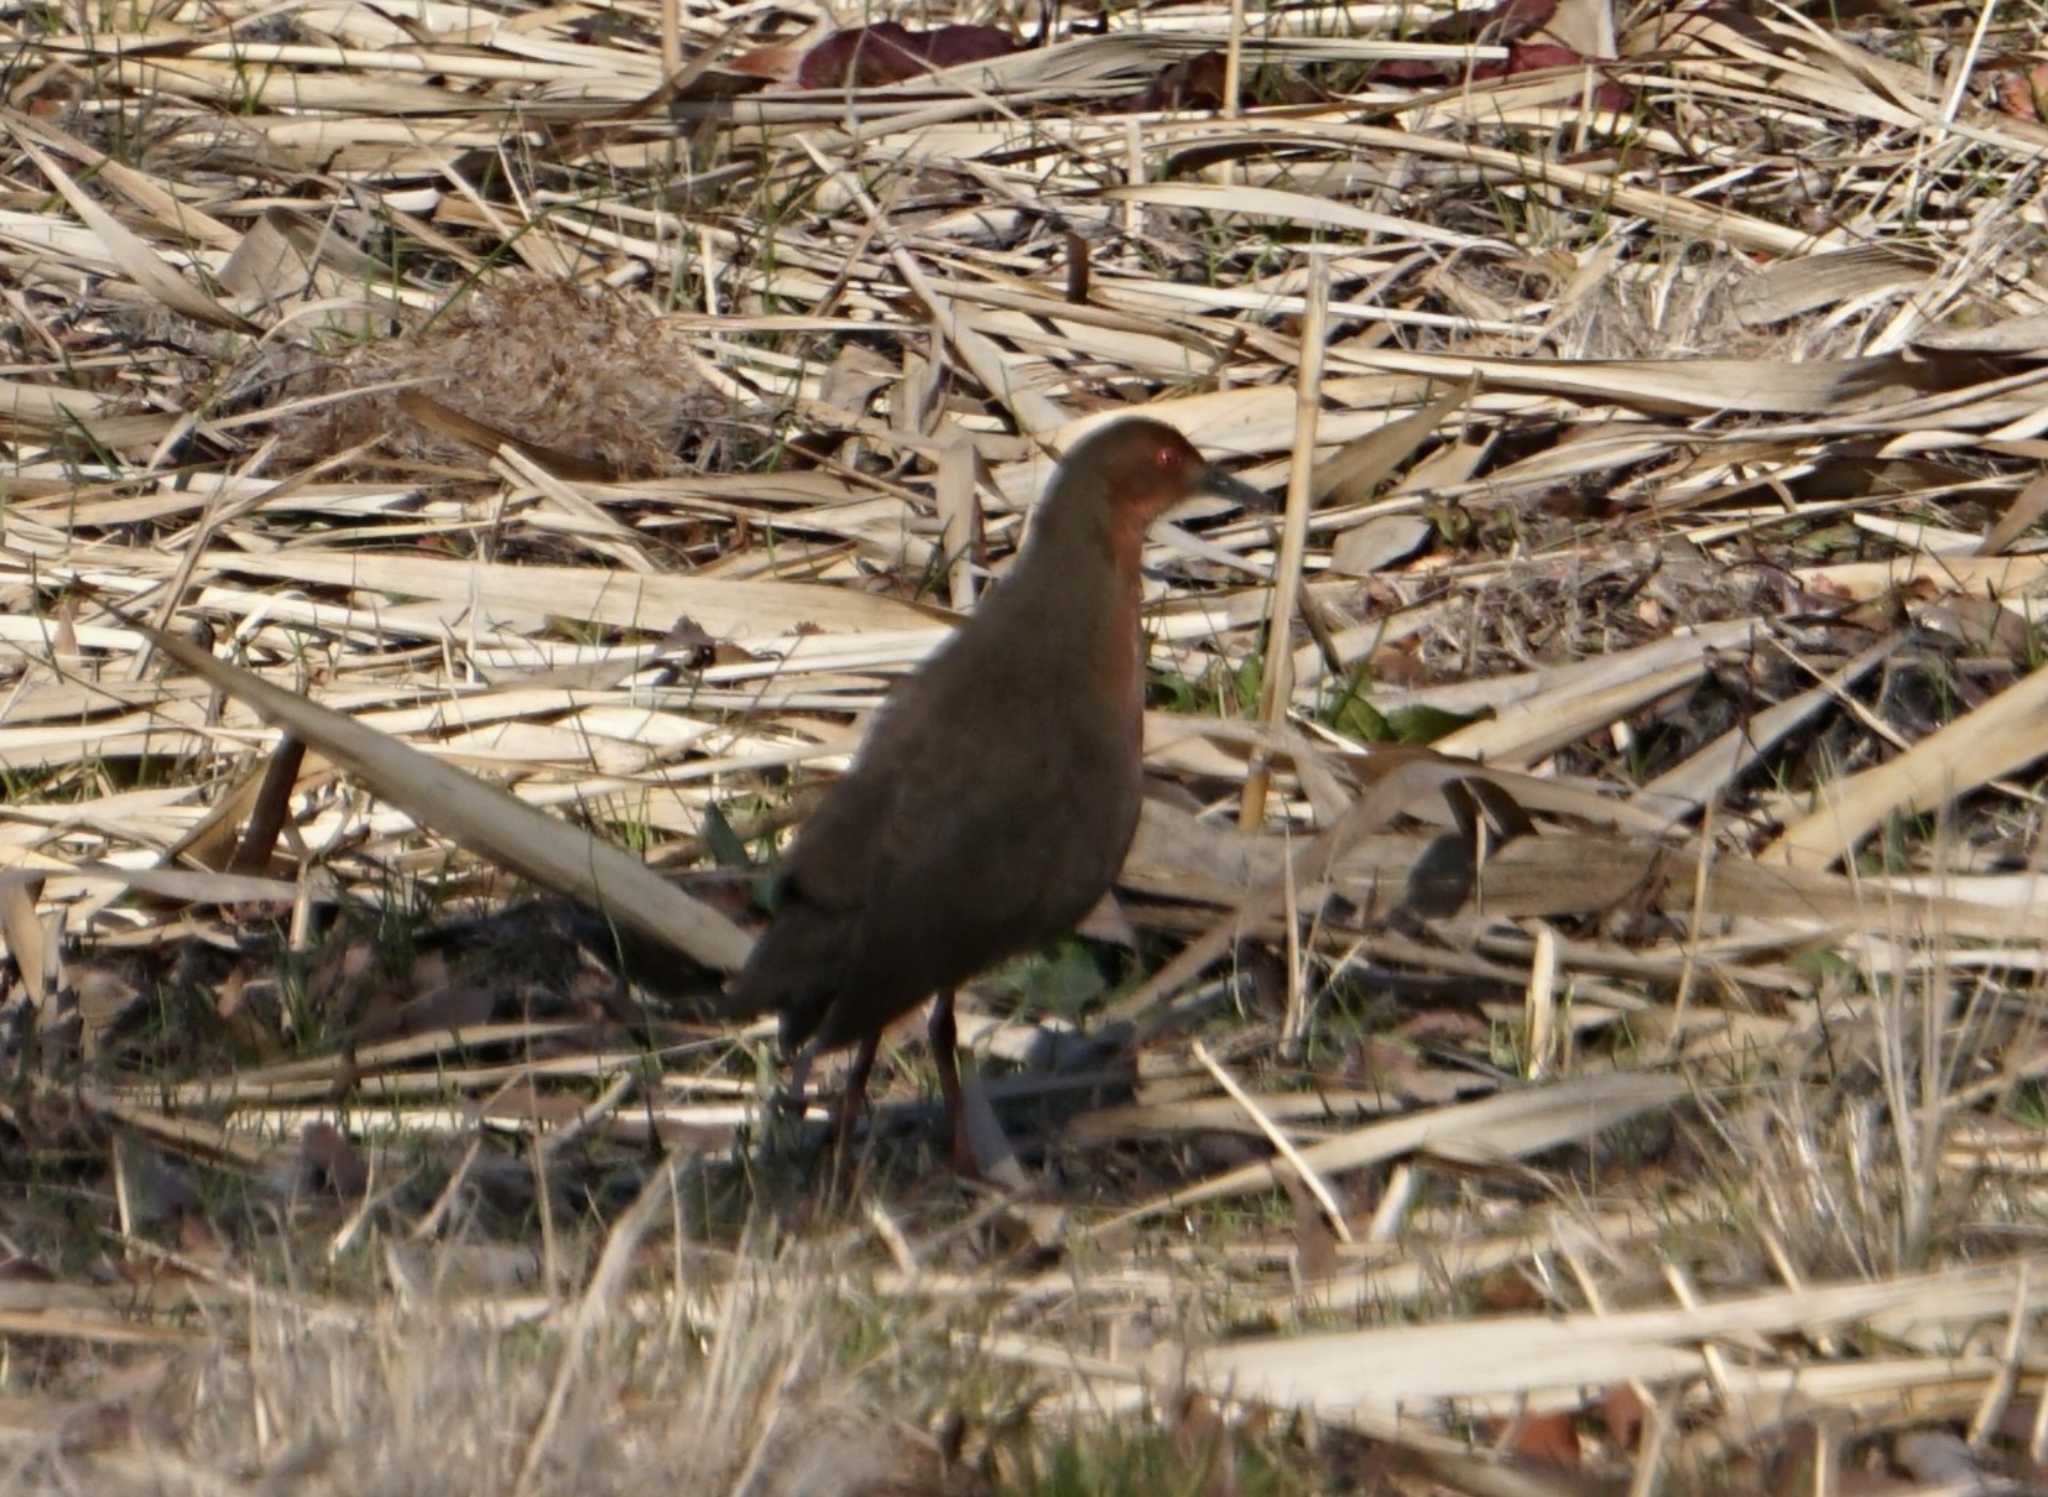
1077 583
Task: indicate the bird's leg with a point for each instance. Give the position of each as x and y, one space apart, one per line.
945 1041
852 1099
792 1099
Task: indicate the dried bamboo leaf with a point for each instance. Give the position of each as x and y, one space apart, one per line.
1359 468
552 853
732 610
141 263
22 933
1486 1132
1387 1371
1289 207
1791 287
1687 786
1557 874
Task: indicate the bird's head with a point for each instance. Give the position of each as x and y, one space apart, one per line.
1143 467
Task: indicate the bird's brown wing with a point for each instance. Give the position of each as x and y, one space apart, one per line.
808 959
935 857
801 962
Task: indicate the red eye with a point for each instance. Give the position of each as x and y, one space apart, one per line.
1168 459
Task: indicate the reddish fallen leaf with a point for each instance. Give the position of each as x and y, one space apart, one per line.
956 46
1536 57
1508 1291
777 63
2020 92
1531 57
1547 1440
1622 1411
1409 70
870 56
863 57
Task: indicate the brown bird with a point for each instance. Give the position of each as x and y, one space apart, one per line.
997 792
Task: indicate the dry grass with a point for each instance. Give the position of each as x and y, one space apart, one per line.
1570 1020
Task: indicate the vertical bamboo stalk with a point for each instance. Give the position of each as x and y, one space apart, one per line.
1134 173
671 38
1233 82
955 491
1278 680
1233 60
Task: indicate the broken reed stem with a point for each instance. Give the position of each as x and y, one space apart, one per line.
1233 61
1281 1143
954 490
671 39
1277 688
1233 81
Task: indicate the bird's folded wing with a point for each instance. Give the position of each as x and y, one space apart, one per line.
927 817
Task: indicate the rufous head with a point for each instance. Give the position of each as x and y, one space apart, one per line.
1144 467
